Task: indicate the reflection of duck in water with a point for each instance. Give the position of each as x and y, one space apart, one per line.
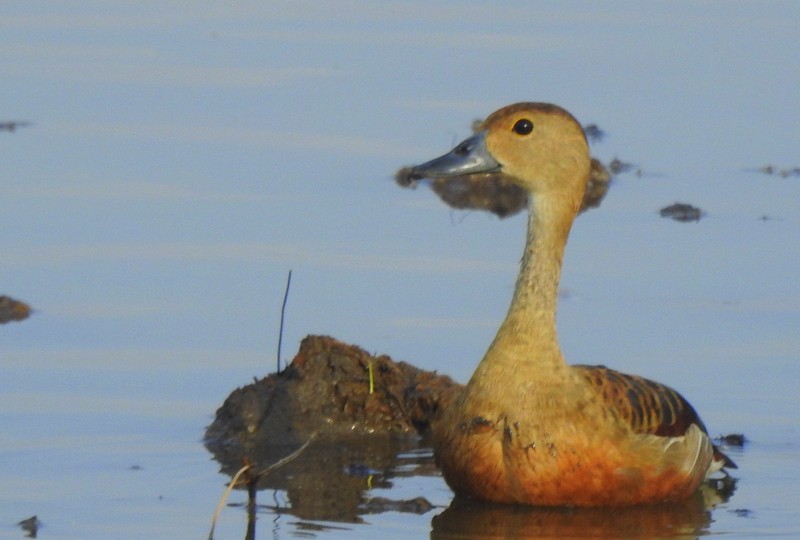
528 428
465 519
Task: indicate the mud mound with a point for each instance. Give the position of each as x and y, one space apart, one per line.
13 310
326 391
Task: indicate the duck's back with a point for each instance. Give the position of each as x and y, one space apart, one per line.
647 406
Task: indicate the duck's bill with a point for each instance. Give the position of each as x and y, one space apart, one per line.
470 156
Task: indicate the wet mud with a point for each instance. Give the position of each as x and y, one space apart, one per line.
682 212
30 526
331 389
13 310
367 417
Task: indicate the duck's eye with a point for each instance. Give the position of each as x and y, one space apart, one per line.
523 127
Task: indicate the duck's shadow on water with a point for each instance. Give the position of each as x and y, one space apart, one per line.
332 482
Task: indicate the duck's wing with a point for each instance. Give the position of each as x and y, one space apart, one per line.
647 406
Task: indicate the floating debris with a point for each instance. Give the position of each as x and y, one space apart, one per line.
594 133
682 212
776 171
723 486
12 125
733 439
379 505
13 310
30 526
596 187
618 166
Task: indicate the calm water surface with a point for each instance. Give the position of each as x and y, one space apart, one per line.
182 158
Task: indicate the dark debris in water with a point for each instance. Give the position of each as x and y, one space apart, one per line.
13 310
12 125
594 133
733 439
682 212
30 526
772 170
617 166
379 505
723 487
743 512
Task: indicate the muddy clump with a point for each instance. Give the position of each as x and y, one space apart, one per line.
30 526
353 422
13 310
331 390
682 212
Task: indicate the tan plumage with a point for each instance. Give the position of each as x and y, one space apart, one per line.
528 428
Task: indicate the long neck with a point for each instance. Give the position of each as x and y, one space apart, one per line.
527 338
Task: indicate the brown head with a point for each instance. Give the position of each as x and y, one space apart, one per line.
540 145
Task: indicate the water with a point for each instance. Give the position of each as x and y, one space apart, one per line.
182 158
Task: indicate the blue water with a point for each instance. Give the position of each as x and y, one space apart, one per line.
183 158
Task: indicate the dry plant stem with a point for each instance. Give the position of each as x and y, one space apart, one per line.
224 498
283 313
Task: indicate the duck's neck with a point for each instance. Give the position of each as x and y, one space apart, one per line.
527 338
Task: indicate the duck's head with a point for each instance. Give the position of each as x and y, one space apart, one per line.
540 145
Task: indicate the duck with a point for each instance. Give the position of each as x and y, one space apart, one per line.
528 428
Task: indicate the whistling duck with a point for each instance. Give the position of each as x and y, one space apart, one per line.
528 428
